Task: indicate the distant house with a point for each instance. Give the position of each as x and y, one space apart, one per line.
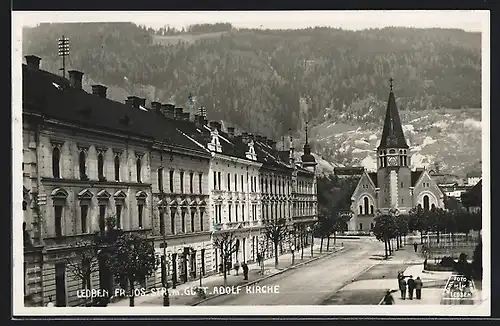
473 178
472 199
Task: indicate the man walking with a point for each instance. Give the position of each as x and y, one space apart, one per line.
411 287
415 246
402 288
418 288
244 266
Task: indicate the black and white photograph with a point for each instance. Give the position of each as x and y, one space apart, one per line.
261 162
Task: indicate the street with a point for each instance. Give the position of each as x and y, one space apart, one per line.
313 283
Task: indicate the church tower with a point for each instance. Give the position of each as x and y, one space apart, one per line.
308 160
393 161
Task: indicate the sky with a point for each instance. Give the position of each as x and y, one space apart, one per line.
353 20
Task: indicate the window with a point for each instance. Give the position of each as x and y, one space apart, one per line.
371 226
86 273
171 180
138 167
84 209
243 212
183 221
117 168
118 216
82 164
360 226
60 284
235 182
172 221
162 223
181 180
192 221
102 218
58 210
200 183
433 206
140 208
402 185
160 179
100 167
201 221
56 156
371 209
365 202
215 180
191 180
229 182
219 180
242 183
426 203
229 212
360 210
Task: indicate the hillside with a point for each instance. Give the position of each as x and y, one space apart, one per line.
270 81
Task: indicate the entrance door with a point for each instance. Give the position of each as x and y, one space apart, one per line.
60 285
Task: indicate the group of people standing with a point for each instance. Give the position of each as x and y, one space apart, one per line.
410 286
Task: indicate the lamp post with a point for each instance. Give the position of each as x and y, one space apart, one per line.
166 298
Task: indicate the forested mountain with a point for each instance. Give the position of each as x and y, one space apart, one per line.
270 81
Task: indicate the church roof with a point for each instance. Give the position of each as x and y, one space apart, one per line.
392 133
373 176
414 177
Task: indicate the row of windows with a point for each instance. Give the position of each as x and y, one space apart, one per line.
173 218
366 208
403 161
181 181
278 186
101 163
232 183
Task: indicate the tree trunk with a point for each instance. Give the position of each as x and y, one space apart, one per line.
389 246
437 236
334 237
397 242
132 293
421 237
321 246
452 238
386 255
276 256
328 244
225 269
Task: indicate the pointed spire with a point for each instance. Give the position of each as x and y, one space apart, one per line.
392 133
307 158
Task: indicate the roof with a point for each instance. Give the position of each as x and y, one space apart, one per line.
52 96
373 176
474 174
348 170
415 175
392 132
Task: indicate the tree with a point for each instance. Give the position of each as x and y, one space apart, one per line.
276 230
83 262
477 260
418 221
324 227
340 225
132 258
450 223
401 228
436 218
227 244
463 222
384 229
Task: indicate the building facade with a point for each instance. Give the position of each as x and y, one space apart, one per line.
394 186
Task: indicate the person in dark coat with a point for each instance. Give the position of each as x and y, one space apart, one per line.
388 299
402 288
415 246
244 266
259 258
418 288
411 287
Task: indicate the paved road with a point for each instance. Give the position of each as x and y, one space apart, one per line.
313 283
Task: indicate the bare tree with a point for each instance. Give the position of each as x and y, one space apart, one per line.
276 230
262 248
83 262
227 243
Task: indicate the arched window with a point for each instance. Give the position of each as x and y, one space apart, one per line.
100 166
433 206
371 209
138 167
426 202
365 202
117 168
360 210
56 156
82 165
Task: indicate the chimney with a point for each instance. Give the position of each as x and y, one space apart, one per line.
99 90
198 121
33 62
205 121
273 144
178 113
213 125
141 102
133 100
75 78
244 137
156 107
168 110
251 137
230 132
218 125
185 116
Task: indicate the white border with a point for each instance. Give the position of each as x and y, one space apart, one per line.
484 309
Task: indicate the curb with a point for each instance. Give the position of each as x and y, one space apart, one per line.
271 275
428 284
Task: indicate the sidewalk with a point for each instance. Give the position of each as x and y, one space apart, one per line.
184 294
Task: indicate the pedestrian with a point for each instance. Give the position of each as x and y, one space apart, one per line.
411 287
245 271
418 288
259 258
50 303
388 299
415 246
402 288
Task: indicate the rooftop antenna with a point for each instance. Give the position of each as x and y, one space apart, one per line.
63 52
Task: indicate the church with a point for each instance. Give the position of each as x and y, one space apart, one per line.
394 186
